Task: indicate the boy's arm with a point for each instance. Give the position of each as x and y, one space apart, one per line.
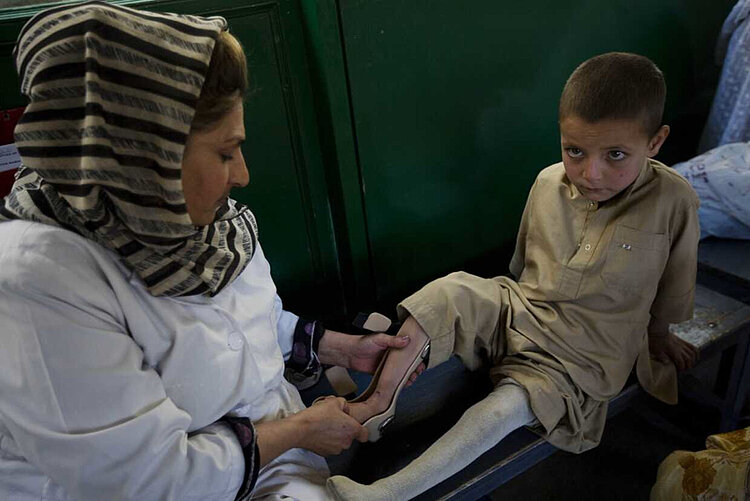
519 255
674 299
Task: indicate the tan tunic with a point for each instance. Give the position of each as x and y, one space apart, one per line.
589 276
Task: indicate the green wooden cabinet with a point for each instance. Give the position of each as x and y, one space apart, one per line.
287 190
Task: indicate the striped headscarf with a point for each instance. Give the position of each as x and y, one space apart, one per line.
112 95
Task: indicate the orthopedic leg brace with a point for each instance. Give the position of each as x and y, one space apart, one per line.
482 426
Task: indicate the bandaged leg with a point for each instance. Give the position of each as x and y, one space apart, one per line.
482 426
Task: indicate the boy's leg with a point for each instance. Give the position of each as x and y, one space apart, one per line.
459 313
481 427
462 314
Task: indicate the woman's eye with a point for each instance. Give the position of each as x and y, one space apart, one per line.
225 158
616 155
574 152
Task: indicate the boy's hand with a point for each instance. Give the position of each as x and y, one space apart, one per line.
670 348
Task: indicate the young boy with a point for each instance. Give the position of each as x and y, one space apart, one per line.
605 260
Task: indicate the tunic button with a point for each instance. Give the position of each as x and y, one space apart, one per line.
235 340
588 247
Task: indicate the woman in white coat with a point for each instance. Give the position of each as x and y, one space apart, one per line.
143 345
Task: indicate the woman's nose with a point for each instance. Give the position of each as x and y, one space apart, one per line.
239 176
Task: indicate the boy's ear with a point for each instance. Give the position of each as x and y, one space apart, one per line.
654 144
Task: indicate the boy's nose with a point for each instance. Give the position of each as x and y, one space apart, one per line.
238 175
592 170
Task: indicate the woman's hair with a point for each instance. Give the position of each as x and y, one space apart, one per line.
226 80
616 85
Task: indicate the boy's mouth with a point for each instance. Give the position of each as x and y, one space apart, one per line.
594 193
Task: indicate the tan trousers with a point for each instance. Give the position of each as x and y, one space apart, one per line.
462 314
473 318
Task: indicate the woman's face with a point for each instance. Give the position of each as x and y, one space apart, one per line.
212 165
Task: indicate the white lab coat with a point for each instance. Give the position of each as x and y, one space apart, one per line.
107 392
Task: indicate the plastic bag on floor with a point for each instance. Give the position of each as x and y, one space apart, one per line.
719 472
721 177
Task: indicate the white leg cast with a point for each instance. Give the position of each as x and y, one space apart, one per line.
482 426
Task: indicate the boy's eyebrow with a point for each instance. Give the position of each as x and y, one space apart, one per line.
572 144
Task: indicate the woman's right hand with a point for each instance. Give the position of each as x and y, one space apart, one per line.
326 427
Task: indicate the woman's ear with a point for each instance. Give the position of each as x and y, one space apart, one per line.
655 143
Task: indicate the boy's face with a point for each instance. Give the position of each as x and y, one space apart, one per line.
605 157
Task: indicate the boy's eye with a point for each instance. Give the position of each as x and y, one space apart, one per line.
574 152
616 155
225 158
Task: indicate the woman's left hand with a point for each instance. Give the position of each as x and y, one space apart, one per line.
366 351
361 353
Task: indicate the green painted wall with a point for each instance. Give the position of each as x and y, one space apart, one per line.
454 107
393 141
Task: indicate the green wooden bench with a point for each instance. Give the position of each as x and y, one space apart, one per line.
724 266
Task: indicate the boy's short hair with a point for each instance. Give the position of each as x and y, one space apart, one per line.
616 85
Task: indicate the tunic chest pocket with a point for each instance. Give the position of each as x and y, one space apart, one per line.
634 259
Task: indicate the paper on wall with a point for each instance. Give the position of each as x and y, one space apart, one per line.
9 157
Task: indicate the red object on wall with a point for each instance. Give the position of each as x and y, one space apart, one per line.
8 121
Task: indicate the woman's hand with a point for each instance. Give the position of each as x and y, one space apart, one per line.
327 429
323 428
361 353
365 351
